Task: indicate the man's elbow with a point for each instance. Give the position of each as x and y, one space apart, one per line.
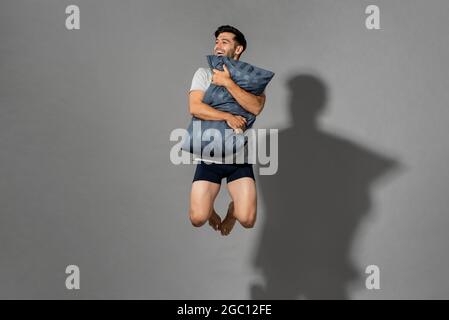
193 110
258 110
260 104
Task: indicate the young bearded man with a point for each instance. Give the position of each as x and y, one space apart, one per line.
229 42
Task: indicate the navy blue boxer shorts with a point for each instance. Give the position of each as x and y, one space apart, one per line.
215 172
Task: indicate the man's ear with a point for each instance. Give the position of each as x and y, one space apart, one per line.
239 50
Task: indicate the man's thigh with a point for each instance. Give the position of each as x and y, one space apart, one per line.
244 194
202 197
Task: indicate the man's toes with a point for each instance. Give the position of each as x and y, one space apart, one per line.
226 227
215 222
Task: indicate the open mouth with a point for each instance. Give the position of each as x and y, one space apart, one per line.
219 53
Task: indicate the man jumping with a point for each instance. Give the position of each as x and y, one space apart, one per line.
231 43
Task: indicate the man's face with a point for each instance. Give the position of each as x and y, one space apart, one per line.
225 45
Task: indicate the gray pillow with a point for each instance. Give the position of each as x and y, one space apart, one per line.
250 78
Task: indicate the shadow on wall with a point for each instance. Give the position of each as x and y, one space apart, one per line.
313 204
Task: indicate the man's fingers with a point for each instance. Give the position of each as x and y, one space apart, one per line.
238 123
232 125
238 126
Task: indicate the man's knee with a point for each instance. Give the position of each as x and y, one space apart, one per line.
197 218
248 220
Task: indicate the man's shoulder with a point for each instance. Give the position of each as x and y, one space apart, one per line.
201 79
203 72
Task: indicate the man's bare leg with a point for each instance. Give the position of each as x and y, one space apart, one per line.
243 206
202 199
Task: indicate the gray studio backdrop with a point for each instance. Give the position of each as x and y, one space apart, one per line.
86 178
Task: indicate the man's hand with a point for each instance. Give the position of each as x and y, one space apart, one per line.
247 100
221 78
238 123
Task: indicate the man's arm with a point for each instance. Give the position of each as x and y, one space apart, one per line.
205 112
250 102
247 100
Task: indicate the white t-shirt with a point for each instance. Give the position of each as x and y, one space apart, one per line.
201 81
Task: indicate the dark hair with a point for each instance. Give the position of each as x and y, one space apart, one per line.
239 37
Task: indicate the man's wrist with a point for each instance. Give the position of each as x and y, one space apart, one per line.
226 116
229 84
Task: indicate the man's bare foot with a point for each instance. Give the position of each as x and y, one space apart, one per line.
215 220
229 221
